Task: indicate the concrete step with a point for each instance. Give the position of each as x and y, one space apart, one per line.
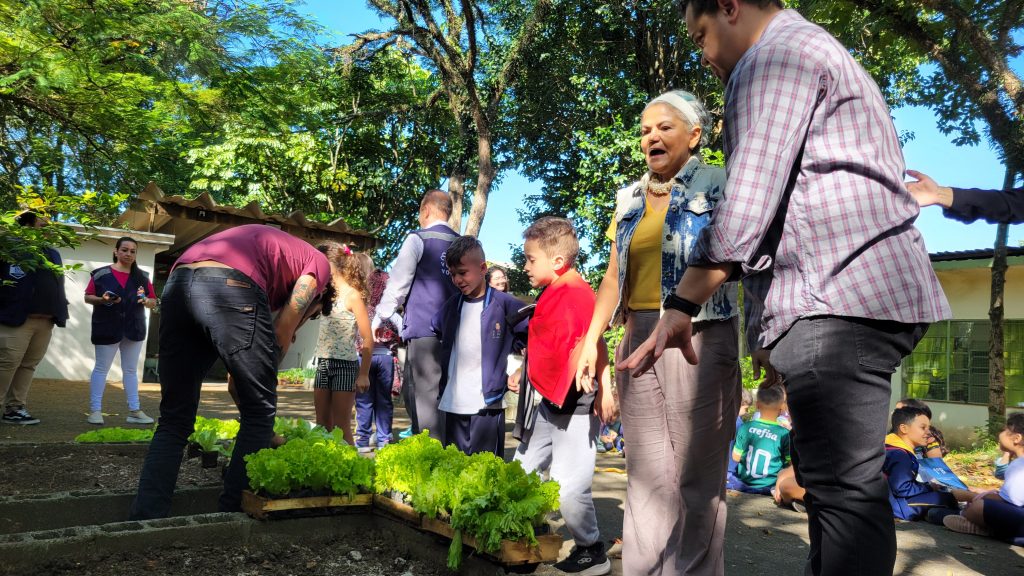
33 513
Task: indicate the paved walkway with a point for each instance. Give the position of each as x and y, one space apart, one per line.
761 538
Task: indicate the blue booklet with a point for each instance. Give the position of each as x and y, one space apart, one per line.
936 469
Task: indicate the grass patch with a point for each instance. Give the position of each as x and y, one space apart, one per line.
975 465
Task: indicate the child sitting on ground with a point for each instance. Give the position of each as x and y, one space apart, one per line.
610 438
936 447
562 433
746 401
476 341
909 498
1000 513
762 445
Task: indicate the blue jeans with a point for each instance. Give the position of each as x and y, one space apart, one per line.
375 405
209 313
837 373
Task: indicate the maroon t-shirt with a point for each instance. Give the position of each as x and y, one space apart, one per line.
272 258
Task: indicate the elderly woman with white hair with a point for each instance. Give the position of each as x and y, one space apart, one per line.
678 418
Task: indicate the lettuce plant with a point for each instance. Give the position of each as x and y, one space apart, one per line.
115 434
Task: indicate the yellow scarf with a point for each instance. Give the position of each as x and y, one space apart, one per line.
897 442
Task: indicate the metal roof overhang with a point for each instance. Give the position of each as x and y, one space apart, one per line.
189 221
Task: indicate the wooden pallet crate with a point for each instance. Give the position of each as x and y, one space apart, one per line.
512 552
398 510
261 507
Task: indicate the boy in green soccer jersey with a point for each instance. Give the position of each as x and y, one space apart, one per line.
762 445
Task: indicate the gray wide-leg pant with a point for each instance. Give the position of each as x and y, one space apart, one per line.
677 421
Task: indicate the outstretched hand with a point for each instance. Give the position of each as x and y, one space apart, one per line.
927 192
674 330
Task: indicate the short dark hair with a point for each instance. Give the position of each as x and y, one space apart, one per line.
772 395
919 404
556 236
905 415
27 218
439 201
1015 423
462 247
702 7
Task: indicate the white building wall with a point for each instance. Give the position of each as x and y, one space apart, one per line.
968 286
71 354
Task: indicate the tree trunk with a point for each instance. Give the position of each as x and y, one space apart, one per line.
457 191
484 177
996 370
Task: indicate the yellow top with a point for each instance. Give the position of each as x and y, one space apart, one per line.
643 278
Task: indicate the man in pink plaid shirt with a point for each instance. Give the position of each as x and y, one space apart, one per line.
818 224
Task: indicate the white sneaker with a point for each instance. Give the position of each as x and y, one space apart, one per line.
95 418
138 417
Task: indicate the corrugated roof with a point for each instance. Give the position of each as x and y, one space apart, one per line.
979 254
155 211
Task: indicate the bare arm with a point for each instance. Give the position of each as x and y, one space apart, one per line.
607 298
303 295
675 328
355 304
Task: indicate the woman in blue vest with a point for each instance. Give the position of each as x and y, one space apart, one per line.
119 293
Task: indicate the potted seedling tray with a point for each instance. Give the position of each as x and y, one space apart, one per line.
264 507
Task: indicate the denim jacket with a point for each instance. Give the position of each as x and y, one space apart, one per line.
696 190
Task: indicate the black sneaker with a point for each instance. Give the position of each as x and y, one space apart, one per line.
586 561
19 416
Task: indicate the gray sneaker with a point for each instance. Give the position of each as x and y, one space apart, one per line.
19 416
138 417
95 417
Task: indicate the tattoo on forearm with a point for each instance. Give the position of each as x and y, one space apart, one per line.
303 294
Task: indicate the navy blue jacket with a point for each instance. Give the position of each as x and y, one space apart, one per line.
124 320
909 498
16 297
995 206
497 339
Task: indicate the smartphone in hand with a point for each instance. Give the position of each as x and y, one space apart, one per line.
111 298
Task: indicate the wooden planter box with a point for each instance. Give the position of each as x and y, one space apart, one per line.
261 507
398 510
511 552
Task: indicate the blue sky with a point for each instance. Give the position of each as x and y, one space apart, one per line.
930 152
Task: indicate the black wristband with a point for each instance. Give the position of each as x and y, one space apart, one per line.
673 302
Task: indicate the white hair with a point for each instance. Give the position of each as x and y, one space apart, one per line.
690 109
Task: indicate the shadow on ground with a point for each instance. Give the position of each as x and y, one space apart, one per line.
760 537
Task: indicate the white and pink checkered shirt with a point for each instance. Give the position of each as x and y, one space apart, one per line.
804 122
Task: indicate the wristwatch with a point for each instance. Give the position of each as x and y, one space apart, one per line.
673 302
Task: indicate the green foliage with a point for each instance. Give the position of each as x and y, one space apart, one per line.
222 429
318 464
747 374
206 439
24 246
481 495
115 435
105 94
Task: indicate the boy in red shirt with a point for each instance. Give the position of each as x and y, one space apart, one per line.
561 437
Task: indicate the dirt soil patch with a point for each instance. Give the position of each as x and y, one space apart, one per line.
375 554
47 468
